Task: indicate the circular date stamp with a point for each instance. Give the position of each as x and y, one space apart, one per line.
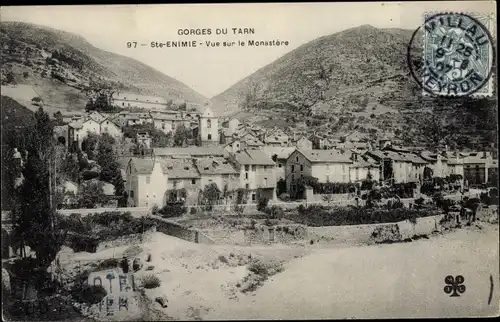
457 58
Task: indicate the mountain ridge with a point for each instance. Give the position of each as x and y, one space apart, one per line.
78 63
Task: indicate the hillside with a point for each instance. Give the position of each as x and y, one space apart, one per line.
357 79
58 65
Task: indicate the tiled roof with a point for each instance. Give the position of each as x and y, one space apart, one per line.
178 168
76 124
280 152
97 117
326 156
214 166
189 151
255 157
143 165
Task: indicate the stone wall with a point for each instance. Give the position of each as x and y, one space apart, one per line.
260 234
377 232
132 239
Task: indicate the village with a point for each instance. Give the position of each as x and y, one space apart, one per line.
316 180
267 162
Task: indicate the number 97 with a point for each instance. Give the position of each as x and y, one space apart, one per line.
131 44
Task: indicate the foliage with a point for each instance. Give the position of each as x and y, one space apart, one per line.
274 212
317 216
173 209
241 199
110 168
280 187
33 217
323 187
193 210
262 202
90 194
150 281
159 138
89 145
181 135
71 168
89 294
155 209
284 197
265 269
210 195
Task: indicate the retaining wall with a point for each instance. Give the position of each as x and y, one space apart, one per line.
363 233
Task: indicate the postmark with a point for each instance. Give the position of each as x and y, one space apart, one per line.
457 57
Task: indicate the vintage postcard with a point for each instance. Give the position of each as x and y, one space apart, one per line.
250 161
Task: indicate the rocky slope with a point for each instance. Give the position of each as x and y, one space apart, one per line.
357 79
58 65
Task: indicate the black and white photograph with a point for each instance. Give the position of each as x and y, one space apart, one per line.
249 161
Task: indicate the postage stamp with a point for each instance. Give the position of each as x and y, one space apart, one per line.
458 55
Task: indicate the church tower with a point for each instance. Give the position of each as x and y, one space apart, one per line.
208 128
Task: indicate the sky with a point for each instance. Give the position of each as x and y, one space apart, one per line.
210 71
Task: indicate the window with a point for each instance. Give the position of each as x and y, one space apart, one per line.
279 165
247 186
247 167
209 137
123 103
327 178
327 166
148 180
210 180
301 167
131 193
293 168
265 182
193 181
253 196
297 159
246 175
293 177
209 124
253 168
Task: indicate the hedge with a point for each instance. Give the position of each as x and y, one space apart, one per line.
317 215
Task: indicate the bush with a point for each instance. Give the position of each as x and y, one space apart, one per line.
317 216
155 209
262 203
107 263
174 209
150 281
284 197
265 269
274 212
88 294
193 211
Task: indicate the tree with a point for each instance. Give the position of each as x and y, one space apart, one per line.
280 186
33 216
241 200
210 195
71 167
110 168
89 144
181 135
90 194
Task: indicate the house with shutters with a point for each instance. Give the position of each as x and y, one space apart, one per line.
256 173
325 165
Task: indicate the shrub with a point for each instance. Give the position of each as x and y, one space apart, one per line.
262 203
155 209
317 216
193 211
150 281
284 197
265 269
89 294
107 263
174 209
